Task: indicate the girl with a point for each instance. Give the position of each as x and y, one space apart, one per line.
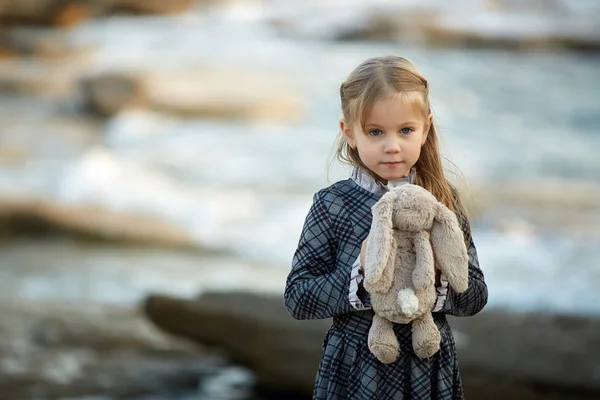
387 134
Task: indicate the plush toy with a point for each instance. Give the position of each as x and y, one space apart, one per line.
409 227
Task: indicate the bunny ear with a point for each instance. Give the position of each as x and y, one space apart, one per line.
380 253
448 244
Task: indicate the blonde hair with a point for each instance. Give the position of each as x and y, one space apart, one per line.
392 75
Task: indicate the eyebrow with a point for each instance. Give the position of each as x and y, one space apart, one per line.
376 125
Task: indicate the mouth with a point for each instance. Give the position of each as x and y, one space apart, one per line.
392 163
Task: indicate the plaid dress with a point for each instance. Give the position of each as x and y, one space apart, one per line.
317 287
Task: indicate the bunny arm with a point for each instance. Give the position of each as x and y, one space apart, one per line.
381 249
423 275
449 248
474 299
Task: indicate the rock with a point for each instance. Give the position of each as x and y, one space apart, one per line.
49 78
486 30
405 25
523 25
194 94
39 217
95 325
72 12
144 6
515 31
225 94
254 330
552 350
111 93
96 196
567 206
42 12
101 195
39 43
54 350
519 356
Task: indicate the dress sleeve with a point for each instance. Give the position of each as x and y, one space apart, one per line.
475 297
317 285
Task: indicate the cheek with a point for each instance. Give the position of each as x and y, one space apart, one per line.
367 153
362 144
420 141
370 148
416 149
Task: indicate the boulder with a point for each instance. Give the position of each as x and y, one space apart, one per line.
502 355
516 31
568 207
58 350
110 93
42 217
560 353
72 12
42 12
484 29
47 78
97 195
515 25
143 6
224 94
255 331
39 43
194 94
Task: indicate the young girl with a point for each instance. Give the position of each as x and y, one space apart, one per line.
387 134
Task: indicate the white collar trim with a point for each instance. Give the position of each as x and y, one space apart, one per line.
366 181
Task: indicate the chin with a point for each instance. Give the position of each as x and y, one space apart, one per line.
391 177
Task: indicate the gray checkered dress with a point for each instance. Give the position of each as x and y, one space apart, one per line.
317 287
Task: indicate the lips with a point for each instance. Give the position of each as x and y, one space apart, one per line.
392 163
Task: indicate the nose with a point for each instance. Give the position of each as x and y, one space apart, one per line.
392 144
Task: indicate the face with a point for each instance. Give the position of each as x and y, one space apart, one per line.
396 132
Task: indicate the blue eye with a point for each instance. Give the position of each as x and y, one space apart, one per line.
375 132
406 131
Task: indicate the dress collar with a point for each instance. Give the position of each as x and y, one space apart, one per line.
365 180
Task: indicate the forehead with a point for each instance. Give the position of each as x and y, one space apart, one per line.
395 110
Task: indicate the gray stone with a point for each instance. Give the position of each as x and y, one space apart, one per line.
85 349
70 12
502 355
254 330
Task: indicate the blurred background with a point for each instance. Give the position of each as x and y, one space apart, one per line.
152 151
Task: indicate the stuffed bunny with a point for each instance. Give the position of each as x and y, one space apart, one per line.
409 227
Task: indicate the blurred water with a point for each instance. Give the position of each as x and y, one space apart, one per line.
246 188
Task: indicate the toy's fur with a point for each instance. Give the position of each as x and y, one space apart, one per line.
409 227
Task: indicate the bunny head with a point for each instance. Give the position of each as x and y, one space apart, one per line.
415 208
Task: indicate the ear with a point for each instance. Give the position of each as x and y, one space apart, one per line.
423 275
448 244
348 134
380 254
426 128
